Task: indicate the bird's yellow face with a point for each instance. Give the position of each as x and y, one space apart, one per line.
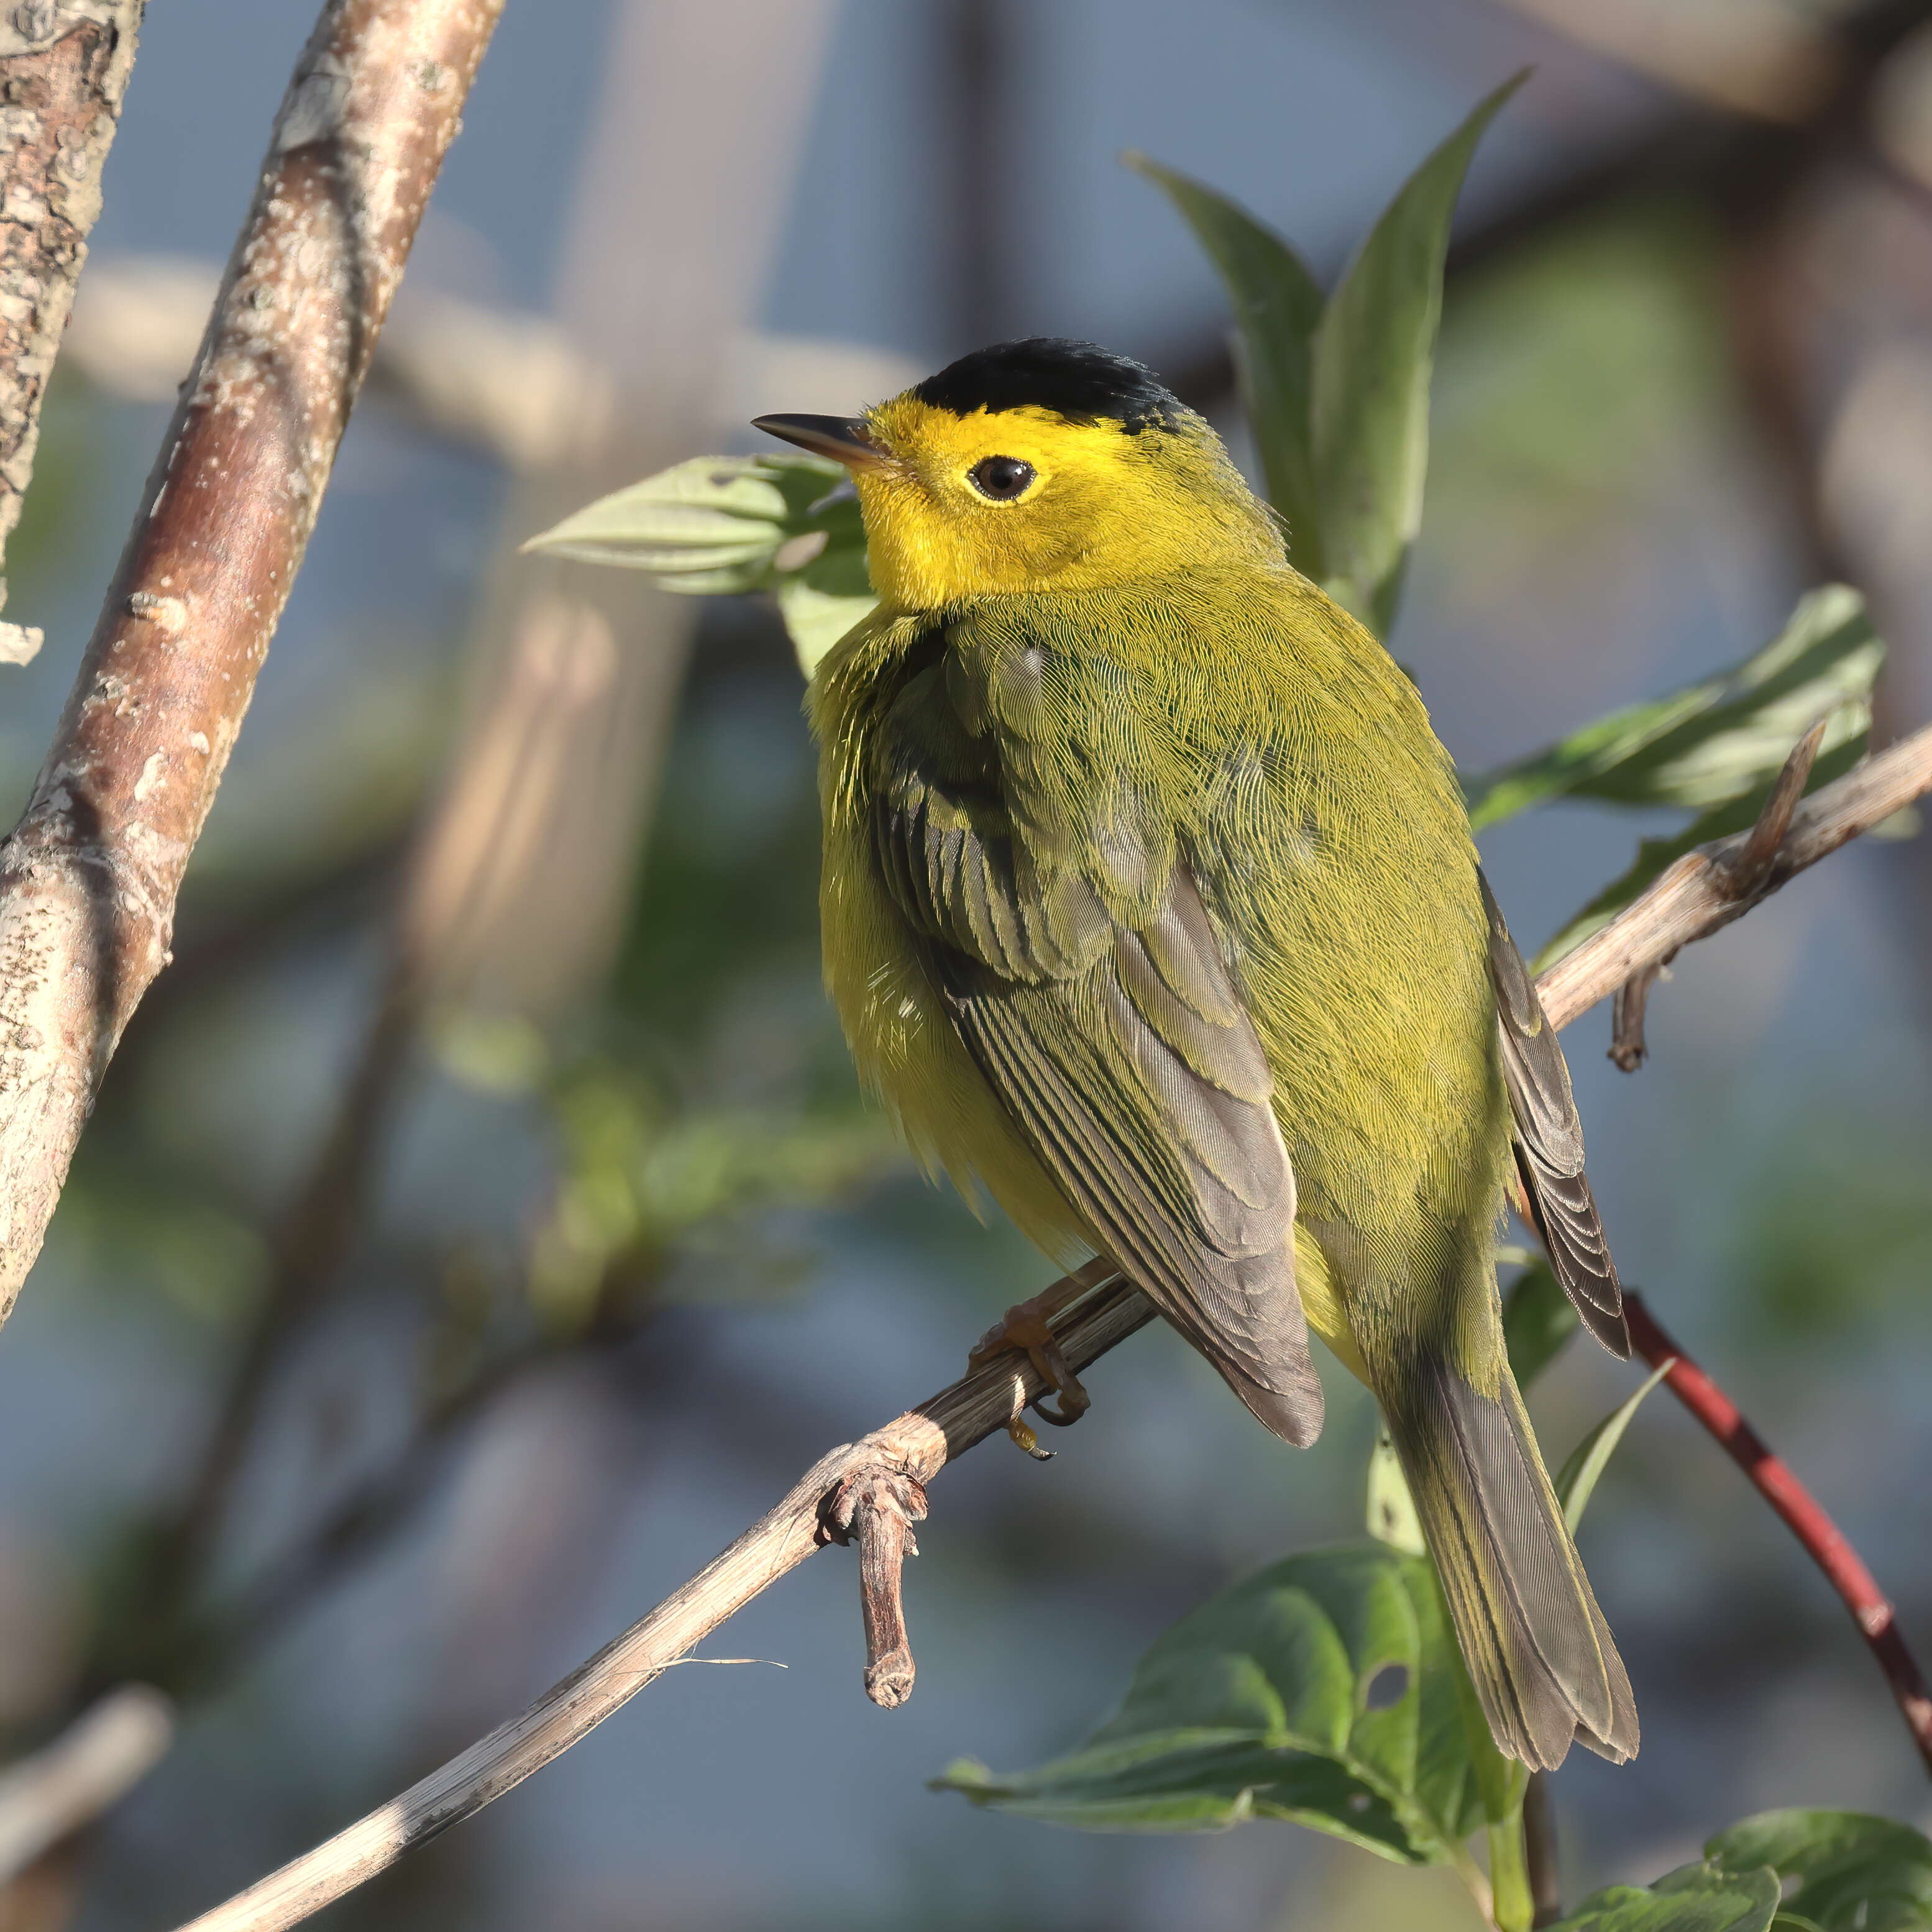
1036 465
1009 500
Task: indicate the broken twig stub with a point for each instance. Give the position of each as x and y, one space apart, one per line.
876 1508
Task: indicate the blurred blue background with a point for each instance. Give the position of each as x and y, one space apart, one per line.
619 1252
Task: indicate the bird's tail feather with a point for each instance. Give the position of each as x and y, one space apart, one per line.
1541 1658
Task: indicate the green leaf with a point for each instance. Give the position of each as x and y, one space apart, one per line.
1538 1322
1716 741
1259 1705
1694 1898
714 523
718 524
1374 352
822 598
1588 1461
1854 1873
1277 309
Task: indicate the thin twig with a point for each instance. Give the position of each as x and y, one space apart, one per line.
1750 867
1822 1540
89 879
92 1765
1628 1048
1743 877
1680 907
1694 899
916 1446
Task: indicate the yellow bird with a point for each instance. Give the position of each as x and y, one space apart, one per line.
1151 906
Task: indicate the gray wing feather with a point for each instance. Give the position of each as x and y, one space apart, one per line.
1111 1033
1549 1140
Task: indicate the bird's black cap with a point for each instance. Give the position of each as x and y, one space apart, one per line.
1078 380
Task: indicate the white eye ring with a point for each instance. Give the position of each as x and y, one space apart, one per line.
1002 479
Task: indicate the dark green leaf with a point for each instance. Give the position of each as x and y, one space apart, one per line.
1277 308
1577 1479
1854 1873
1694 1898
1278 1699
1374 352
1715 741
1538 1321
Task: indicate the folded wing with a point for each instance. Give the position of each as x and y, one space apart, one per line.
1105 1021
1549 1141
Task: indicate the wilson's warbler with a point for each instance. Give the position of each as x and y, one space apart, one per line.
1149 903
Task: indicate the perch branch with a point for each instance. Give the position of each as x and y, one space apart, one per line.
1680 907
63 76
1822 1540
915 1448
88 879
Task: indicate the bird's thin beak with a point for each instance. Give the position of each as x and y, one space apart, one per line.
844 439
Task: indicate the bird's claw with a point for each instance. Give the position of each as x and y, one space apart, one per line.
1025 1327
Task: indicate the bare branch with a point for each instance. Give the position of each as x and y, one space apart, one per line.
64 73
915 1447
92 1765
1674 912
1694 898
88 879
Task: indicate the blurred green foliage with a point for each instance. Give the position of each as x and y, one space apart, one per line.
644 1183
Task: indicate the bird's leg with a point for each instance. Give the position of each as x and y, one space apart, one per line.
1027 1326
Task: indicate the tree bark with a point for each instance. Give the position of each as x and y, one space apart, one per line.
63 69
87 880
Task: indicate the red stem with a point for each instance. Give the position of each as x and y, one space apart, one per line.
1824 1541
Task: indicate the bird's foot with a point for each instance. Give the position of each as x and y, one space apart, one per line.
1027 1327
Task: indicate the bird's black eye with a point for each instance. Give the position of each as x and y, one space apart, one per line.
1001 477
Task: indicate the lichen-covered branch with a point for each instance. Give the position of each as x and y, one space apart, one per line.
63 69
88 878
912 1449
